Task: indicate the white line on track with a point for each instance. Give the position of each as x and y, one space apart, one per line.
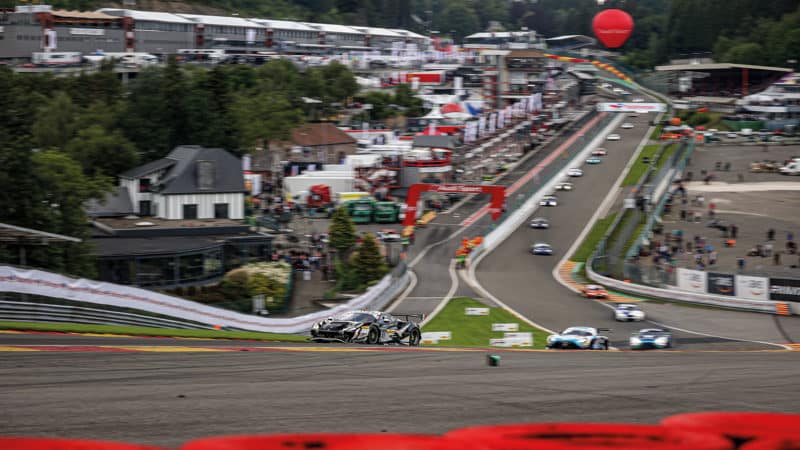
446 299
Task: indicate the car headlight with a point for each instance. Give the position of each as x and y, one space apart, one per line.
315 326
662 341
551 338
635 341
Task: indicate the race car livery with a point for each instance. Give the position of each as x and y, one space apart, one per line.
651 338
594 291
367 327
582 338
541 248
625 312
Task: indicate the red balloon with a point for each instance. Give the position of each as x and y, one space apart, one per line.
612 27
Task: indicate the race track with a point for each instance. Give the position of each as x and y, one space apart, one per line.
168 398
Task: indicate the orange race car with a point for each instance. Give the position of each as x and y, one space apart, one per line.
594 291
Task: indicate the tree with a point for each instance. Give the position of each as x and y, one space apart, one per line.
368 263
264 117
342 231
93 146
55 122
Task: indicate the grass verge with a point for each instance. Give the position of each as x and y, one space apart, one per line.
591 240
638 168
475 331
145 331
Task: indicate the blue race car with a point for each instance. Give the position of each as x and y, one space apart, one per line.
647 338
582 338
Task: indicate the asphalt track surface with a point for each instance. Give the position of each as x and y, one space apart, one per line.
169 398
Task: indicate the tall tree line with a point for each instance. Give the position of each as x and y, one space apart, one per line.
64 140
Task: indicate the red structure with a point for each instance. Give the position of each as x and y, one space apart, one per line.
495 206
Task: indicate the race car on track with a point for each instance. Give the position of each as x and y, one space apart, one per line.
564 186
613 137
651 338
593 160
540 223
594 291
584 338
541 248
549 200
574 172
367 327
627 126
599 152
626 312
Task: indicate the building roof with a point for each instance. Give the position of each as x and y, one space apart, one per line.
13 233
222 21
115 203
377 31
526 54
499 34
146 16
284 25
333 28
410 34
83 15
186 164
718 66
223 169
146 169
322 133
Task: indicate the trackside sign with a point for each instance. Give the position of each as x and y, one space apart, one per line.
631 107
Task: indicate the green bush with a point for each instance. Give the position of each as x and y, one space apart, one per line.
698 119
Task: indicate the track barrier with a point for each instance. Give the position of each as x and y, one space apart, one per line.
590 436
691 431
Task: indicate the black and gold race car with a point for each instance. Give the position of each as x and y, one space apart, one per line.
368 327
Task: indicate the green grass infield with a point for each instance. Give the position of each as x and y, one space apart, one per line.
146 331
475 331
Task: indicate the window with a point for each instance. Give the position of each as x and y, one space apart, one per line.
190 211
144 185
205 174
220 210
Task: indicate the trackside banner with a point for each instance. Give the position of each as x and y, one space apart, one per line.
631 107
37 282
692 280
753 288
784 289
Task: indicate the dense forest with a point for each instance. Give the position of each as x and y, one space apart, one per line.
64 139
741 31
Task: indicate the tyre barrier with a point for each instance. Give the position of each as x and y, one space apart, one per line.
30 443
325 441
772 444
578 436
739 427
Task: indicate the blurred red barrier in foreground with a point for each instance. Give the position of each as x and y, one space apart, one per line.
738 426
326 441
28 443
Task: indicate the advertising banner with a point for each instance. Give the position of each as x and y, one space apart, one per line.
631 107
721 284
476 311
505 327
753 288
692 280
784 289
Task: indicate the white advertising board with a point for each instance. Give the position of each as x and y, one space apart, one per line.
476 311
753 288
631 107
505 327
692 280
510 342
436 336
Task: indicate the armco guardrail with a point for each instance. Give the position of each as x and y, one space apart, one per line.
764 306
21 311
47 284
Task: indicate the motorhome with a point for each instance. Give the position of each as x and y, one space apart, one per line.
48 59
131 59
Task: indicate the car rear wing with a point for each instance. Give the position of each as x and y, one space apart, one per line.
407 317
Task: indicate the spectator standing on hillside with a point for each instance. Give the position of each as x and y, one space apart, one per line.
734 231
740 262
712 258
771 234
789 236
777 259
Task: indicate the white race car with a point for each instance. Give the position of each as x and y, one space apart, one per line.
613 137
583 338
574 172
599 152
626 312
564 186
627 126
549 200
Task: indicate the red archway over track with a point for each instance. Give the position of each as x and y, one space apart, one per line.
495 206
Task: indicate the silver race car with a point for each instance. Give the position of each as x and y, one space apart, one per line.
368 327
582 338
651 338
